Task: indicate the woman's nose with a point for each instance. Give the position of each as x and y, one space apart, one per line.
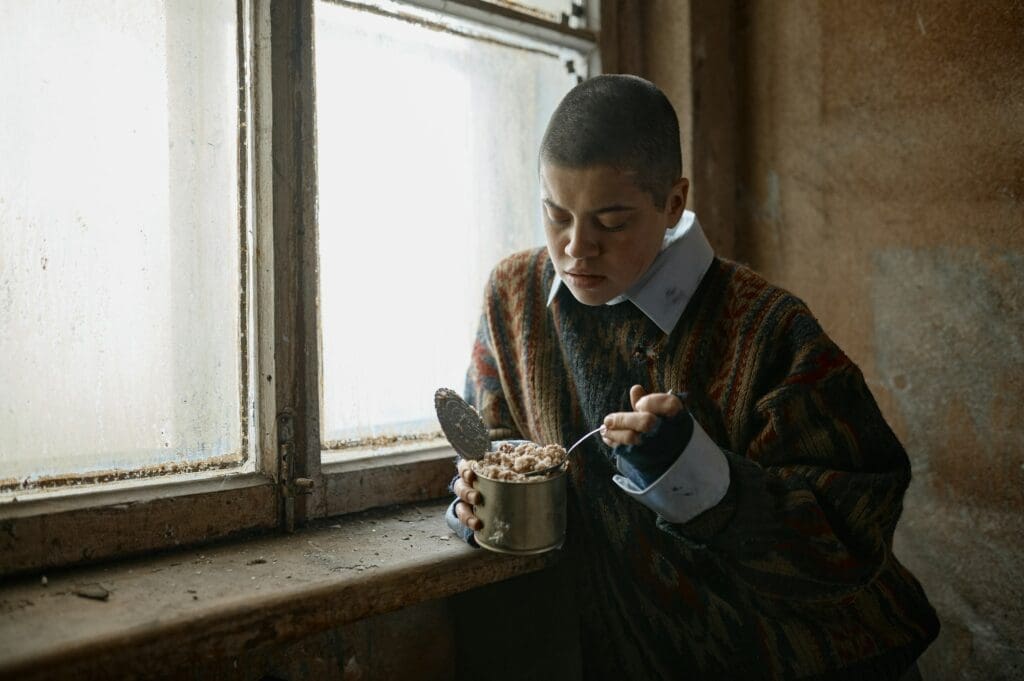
580 245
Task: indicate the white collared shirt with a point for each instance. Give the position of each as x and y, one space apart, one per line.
699 478
664 290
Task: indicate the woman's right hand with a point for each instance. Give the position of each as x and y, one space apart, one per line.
467 497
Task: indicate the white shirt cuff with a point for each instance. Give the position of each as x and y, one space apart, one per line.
695 482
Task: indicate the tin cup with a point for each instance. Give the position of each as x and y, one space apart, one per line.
521 517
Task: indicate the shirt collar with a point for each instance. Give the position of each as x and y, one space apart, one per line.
665 289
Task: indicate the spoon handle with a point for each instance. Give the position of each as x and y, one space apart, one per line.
545 471
580 441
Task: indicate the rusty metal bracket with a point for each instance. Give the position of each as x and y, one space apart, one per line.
289 485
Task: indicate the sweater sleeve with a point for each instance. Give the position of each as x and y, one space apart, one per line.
483 387
815 494
483 391
457 528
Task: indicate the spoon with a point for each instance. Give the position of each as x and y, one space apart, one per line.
547 470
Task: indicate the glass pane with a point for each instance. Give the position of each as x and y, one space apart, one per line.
119 237
427 173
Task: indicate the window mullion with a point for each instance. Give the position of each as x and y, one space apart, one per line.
296 333
261 338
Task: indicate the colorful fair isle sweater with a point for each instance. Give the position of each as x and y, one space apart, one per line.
792 574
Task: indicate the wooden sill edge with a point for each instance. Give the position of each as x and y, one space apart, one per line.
151 625
52 532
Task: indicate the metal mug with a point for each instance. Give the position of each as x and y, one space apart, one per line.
521 517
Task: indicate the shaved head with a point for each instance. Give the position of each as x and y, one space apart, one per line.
620 121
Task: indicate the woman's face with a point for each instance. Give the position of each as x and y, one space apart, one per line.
603 230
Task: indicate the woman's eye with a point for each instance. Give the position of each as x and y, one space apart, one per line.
559 219
613 228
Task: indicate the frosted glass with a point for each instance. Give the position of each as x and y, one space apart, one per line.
119 236
427 177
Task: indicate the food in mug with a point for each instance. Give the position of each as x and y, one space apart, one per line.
511 462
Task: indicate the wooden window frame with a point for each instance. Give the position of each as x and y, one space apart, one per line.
128 518
290 487
413 472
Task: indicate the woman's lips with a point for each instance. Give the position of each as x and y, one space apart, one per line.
584 281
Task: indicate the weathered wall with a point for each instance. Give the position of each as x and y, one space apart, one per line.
881 178
666 31
683 52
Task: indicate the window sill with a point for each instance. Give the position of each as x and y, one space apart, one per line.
367 479
182 609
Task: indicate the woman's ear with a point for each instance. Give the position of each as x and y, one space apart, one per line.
676 202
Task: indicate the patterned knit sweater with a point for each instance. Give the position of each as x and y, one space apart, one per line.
792 575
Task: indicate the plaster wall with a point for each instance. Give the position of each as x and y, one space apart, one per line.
880 161
667 62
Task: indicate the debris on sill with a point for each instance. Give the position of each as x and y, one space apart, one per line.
358 567
93 591
20 604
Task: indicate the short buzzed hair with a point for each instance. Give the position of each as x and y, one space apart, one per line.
621 121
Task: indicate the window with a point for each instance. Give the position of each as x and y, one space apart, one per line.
130 417
427 131
124 235
174 303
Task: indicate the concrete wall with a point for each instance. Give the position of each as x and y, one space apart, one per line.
880 156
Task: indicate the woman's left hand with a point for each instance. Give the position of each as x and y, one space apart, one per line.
626 427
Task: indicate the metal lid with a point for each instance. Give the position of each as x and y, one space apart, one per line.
461 424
